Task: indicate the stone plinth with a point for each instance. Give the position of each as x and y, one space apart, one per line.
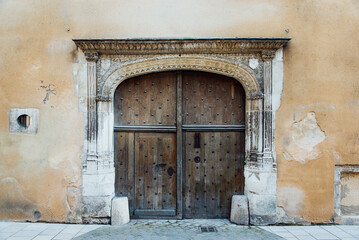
120 213
239 210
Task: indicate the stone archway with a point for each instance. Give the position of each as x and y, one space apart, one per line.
249 61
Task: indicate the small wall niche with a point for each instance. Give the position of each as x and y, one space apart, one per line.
23 120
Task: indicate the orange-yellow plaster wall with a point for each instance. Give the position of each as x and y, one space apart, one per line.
316 125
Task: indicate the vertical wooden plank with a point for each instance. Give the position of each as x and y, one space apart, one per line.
179 144
190 177
198 185
121 160
223 177
186 175
208 157
215 179
147 162
138 177
241 150
157 173
131 172
231 166
171 171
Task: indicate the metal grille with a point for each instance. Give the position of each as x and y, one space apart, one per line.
207 229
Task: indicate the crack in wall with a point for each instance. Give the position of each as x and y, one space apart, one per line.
50 90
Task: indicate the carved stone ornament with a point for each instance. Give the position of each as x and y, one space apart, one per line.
268 55
91 56
181 46
103 98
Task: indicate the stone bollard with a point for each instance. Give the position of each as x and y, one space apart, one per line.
120 213
239 210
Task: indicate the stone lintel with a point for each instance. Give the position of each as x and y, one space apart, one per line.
264 46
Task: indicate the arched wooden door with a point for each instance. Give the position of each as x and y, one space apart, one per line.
179 144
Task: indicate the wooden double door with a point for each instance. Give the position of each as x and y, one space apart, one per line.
179 144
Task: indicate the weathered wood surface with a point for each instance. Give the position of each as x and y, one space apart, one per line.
210 99
124 165
155 171
212 173
147 100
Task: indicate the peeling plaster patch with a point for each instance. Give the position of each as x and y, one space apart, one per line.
13 201
305 135
79 73
318 107
287 156
291 200
50 90
301 111
73 202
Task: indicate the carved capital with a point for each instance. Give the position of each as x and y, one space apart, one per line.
268 55
91 56
103 98
253 96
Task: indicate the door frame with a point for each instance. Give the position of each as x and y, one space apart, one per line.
256 63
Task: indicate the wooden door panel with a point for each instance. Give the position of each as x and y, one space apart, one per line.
124 166
210 99
155 172
147 100
212 173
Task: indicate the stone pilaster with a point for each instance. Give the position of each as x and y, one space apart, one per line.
92 111
256 131
267 57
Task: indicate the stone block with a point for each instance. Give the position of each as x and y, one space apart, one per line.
23 120
239 210
120 213
97 207
100 184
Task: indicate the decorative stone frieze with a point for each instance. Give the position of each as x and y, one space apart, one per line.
181 46
248 60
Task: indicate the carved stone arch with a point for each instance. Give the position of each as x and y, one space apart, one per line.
236 58
224 67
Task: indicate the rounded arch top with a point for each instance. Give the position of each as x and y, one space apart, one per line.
198 63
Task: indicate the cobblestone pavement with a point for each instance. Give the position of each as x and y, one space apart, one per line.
178 229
